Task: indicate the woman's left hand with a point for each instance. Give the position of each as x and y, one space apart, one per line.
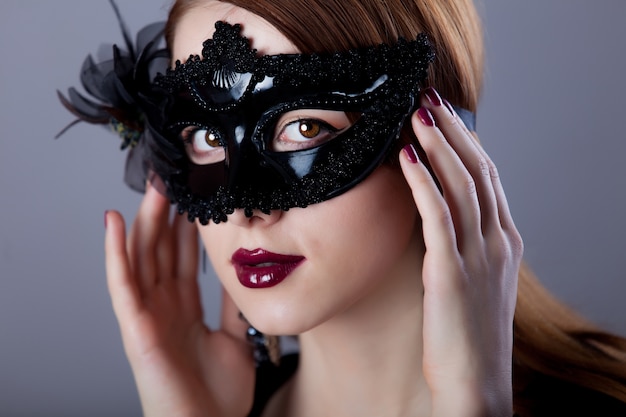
472 260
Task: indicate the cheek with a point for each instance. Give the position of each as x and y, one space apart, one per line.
358 240
373 222
215 238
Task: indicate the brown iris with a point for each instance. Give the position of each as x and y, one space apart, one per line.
309 129
212 139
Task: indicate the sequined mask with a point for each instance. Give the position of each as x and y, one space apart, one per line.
272 132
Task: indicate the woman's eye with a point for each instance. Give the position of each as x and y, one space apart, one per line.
303 134
309 129
203 146
205 140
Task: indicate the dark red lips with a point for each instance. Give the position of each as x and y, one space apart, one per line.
259 268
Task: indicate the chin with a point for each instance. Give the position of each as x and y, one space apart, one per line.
281 321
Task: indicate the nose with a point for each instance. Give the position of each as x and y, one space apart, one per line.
258 218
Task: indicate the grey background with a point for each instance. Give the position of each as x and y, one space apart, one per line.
551 117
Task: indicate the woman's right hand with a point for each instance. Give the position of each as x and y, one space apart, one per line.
470 268
181 367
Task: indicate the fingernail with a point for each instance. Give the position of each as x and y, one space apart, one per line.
425 117
448 106
433 97
411 153
105 218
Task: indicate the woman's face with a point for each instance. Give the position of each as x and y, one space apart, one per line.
341 251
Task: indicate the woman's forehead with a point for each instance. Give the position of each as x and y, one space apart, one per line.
198 25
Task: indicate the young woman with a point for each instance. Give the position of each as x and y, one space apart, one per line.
395 261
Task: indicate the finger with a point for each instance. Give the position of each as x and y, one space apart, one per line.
444 319
165 244
458 186
501 204
122 286
437 224
231 323
186 238
504 212
151 221
467 148
165 253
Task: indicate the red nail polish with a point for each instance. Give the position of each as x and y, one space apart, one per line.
105 218
411 153
433 97
425 116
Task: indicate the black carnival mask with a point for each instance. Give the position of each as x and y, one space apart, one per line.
273 132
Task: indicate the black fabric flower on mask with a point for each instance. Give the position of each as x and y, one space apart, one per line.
119 89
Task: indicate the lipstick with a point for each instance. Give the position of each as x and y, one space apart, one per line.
259 268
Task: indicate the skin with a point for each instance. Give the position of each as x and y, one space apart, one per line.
397 312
